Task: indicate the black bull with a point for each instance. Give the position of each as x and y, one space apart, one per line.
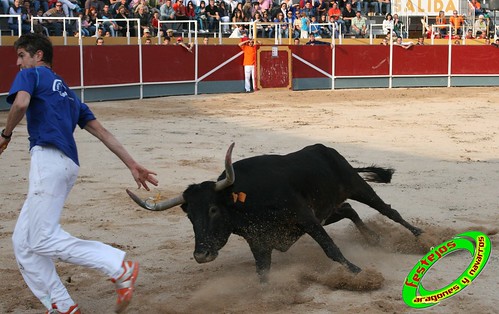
276 199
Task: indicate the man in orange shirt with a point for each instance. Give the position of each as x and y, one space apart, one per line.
457 22
249 61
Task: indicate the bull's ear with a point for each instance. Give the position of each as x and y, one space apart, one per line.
184 207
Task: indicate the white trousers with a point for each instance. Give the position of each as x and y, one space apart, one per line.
249 76
38 237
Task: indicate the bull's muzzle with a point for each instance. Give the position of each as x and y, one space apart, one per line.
205 256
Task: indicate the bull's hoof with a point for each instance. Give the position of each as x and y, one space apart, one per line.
416 231
354 269
372 237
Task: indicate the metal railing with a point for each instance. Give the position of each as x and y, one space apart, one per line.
19 22
64 25
128 21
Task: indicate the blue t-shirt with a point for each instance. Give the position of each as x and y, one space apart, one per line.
53 111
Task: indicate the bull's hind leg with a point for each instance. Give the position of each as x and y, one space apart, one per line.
317 232
370 198
346 211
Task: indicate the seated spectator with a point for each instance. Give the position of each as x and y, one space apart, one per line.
109 25
469 34
348 15
480 27
39 25
212 16
359 25
55 27
166 13
314 27
145 19
17 10
122 25
181 15
200 11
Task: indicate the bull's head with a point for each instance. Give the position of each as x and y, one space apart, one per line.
205 205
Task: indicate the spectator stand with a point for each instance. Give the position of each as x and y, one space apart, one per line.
66 21
4 28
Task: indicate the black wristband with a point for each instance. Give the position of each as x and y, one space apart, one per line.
5 136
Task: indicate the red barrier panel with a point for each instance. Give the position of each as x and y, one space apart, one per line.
419 60
362 60
319 56
475 59
167 63
106 65
66 64
8 67
212 56
274 70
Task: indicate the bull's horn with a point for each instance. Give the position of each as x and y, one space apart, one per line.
229 171
147 204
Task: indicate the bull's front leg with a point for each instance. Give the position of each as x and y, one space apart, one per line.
263 259
317 232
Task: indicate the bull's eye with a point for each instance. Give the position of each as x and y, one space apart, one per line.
213 211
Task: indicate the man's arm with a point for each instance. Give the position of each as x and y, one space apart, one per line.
16 114
140 174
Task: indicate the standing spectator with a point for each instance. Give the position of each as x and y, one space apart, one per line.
98 42
348 15
325 31
313 42
278 19
398 26
206 40
190 11
52 113
457 22
212 15
305 25
359 25
249 61
441 20
480 27
387 24
420 41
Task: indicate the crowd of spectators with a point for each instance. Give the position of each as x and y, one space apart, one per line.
303 15
298 18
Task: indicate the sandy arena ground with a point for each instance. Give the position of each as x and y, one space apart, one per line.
443 143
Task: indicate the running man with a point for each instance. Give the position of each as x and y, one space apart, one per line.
52 113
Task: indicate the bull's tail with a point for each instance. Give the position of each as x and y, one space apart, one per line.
376 174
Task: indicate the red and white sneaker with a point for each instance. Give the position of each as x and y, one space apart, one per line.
125 285
72 310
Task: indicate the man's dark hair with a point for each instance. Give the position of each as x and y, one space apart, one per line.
32 42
